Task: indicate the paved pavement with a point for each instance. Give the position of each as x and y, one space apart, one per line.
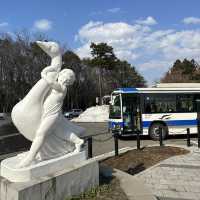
177 178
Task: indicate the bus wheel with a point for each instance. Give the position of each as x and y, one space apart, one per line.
154 131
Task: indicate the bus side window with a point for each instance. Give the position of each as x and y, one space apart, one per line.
160 103
185 103
162 106
148 108
154 108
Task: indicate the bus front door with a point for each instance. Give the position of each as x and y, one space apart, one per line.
131 113
198 114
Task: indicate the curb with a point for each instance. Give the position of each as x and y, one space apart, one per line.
112 153
133 187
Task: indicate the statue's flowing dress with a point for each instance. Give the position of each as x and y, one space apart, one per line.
27 116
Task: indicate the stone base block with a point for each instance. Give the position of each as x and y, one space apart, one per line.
44 168
59 186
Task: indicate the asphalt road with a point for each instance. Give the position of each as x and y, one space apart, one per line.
102 143
7 127
105 143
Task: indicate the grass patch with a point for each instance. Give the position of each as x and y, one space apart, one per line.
92 193
108 189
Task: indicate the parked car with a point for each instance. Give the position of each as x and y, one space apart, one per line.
2 116
73 113
68 115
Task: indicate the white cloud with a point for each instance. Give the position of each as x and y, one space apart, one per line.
84 51
43 25
154 69
155 64
3 24
191 20
11 34
123 37
148 21
98 31
111 10
151 51
114 10
126 55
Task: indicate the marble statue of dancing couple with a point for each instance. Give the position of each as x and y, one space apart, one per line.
39 116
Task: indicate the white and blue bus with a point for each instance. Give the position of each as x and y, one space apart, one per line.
173 107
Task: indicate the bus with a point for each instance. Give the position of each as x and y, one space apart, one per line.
171 107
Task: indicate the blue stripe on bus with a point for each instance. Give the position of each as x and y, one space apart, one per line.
111 124
128 89
173 123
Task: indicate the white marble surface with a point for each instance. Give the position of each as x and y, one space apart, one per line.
10 171
38 116
65 183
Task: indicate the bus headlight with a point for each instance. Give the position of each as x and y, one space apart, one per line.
116 127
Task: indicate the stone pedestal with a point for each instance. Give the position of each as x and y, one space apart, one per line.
10 171
70 181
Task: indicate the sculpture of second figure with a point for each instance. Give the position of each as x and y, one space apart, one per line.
39 116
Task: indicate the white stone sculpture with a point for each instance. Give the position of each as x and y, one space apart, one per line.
39 118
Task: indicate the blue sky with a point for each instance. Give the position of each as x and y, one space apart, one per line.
151 35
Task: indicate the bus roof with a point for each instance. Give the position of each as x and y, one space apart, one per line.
179 85
158 90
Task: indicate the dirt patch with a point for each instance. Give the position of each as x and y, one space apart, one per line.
135 161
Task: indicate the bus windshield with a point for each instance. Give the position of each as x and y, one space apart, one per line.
115 107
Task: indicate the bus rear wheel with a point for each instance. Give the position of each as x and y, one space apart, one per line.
154 131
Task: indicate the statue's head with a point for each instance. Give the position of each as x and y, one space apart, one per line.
66 77
51 48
